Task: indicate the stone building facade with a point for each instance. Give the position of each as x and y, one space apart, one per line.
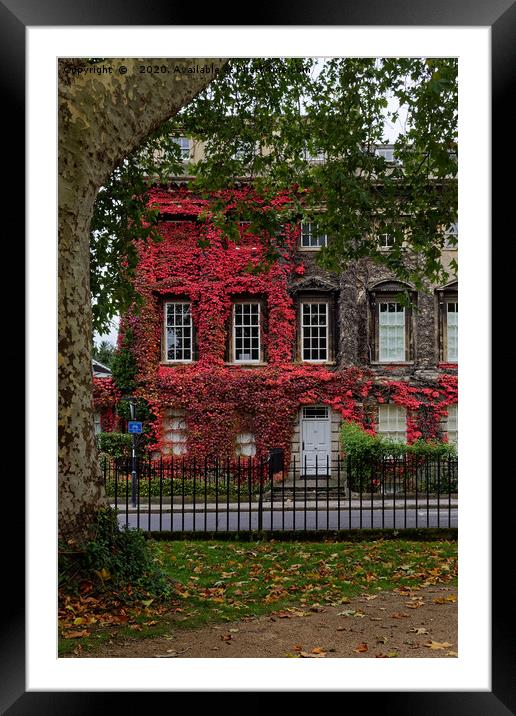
233 362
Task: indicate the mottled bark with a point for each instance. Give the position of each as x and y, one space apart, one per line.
102 118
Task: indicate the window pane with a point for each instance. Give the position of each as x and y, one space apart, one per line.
184 145
315 411
246 326
178 331
174 432
392 421
452 324
453 428
391 332
314 331
311 237
245 445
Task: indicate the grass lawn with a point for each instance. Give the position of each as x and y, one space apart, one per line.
226 581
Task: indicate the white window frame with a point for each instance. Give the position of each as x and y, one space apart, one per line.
452 426
166 327
318 158
382 357
250 325
175 432
97 422
245 445
451 231
185 150
312 232
385 241
387 153
455 329
390 414
310 326
315 412
241 151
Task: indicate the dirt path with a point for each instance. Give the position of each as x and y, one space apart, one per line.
386 624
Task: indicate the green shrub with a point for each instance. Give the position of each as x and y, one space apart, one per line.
113 559
114 444
359 445
376 463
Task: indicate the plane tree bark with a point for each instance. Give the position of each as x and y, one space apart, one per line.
103 116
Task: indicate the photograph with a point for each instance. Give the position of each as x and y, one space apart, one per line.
243 385
258 415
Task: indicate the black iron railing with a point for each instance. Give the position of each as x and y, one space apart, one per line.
181 494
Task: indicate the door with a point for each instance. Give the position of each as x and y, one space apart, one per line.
315 440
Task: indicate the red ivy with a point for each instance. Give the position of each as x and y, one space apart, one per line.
194 261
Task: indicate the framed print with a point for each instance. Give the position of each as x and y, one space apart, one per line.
34 37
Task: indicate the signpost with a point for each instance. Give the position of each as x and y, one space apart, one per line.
134 427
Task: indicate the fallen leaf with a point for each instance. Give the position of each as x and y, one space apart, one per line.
399 615
76 634
318 650
451 653
419 630
361 648
446 600
438 645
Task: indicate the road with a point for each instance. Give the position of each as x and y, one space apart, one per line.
225 521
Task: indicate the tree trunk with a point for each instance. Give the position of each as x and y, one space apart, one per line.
102 118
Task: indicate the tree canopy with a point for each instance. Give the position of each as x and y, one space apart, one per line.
263 121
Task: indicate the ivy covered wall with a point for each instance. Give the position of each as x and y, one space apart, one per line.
218 400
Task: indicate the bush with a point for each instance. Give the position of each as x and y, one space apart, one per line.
379 464
113 560
115 444
362 446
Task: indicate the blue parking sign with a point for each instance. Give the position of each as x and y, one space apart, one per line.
134 426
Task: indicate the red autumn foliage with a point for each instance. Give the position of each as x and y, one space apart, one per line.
196 263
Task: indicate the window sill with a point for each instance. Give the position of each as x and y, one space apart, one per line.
317 362
310 248
393 363
245 365
172 364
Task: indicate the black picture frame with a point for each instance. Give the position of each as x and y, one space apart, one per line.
500 16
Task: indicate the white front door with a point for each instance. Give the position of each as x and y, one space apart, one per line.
315 440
